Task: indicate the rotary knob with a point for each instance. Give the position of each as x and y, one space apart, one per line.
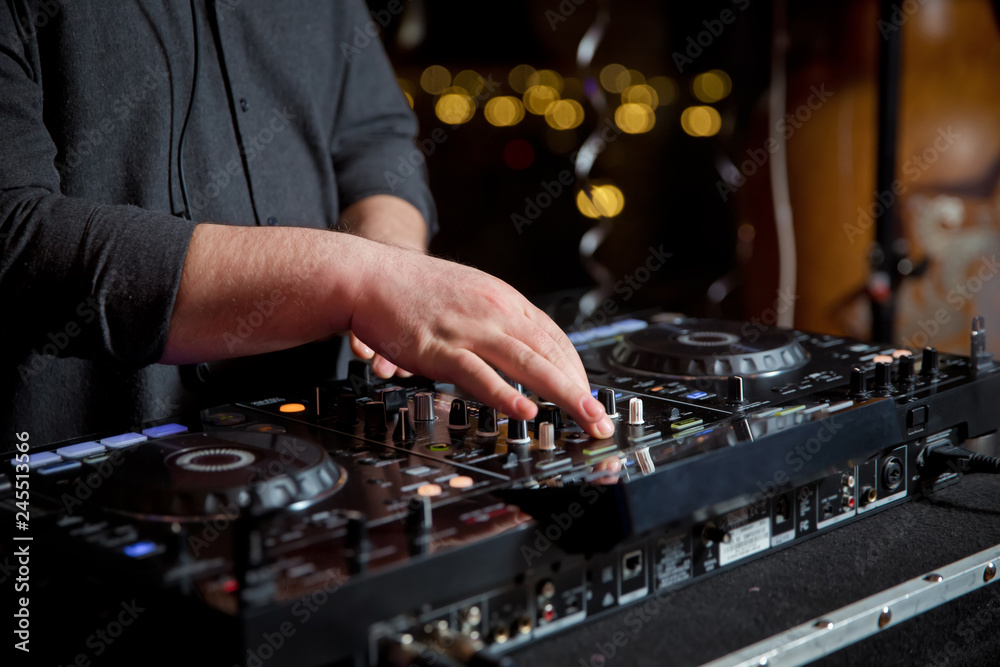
607 398
423 407
859 383
546 436
517 432
458 418
375 417
635 417
734 390
883 377
906 370
929 363
487 422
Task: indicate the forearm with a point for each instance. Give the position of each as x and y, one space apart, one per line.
250 290
386 219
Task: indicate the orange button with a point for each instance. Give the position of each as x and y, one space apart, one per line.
901 353
429 490
882 359
292 407
460 482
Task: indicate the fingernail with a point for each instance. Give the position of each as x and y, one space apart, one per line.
365 350
605 428
614 465
593 408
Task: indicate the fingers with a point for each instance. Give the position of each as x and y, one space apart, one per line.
359 349
381 366
477 377
539 374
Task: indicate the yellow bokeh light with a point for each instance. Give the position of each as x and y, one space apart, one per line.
711 86
435 79
701 121
455 108
635 77
518 77
504 111
409 99
564 114
634 118
547 77
470 81
615 78
604 201
538 98
665 89
641 94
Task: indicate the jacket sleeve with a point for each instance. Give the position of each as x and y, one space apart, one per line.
77 278
373 141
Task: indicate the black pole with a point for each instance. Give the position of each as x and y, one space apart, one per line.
884 278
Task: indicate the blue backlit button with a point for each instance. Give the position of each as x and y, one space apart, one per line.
697 394
164 430
142 549
81 450
627 326
40 459
59 468
685 424
123 440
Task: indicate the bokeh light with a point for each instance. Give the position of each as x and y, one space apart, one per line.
635 118
504 111
641 94
615 78
701 121
409 98
604 201
711 86
435 79
518 77
472 82
455 108
564 114
538 98
635 77
547 77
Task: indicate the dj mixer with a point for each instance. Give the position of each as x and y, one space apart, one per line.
371 522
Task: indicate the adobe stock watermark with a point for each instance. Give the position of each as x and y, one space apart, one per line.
535 205
695 45
59 339
562 12
913 169
364 35
43 14
549 534
626 287
786 127
901 13
302 611
958 297
121 108
251 148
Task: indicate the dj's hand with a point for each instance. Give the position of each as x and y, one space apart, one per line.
456 324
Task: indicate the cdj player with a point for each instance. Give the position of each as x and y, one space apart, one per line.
367 522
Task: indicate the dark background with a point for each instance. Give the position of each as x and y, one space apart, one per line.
668 178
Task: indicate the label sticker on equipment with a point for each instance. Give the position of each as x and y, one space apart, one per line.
745 541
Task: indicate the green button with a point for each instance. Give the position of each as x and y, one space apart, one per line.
685 423
594 451
439 447
789 410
